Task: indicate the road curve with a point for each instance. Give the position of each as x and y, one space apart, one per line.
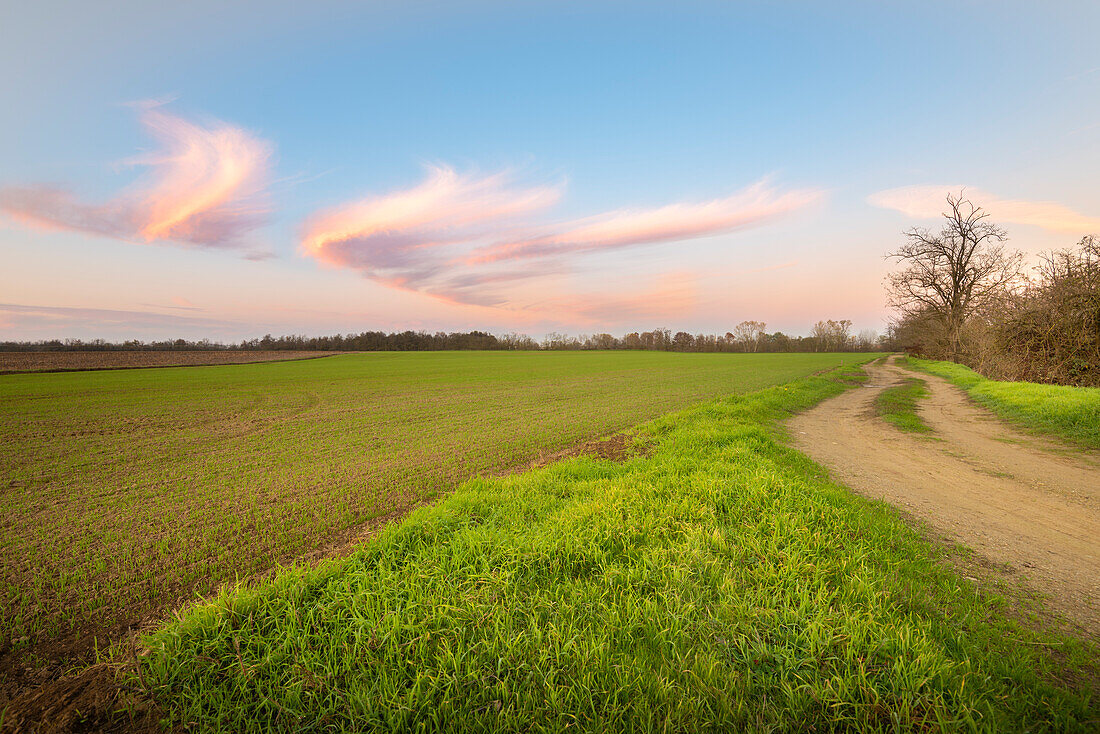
1030 503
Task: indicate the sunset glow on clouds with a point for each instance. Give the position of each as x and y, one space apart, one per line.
458 237
751 206
660 117
204 188
408 239
29 317
928 202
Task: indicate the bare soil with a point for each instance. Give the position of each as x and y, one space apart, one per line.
1028 504
81 361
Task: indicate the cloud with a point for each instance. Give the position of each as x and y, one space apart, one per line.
751 206
929 202
408 239
204 187
473 239
178 303
49 319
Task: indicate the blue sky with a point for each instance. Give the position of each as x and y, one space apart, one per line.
696 164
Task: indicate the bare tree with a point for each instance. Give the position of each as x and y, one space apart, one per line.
867 340
748 334
683 341
831 336
950 274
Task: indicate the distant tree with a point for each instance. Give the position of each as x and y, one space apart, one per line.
602 341
659 339
867 340
748 334
946 276
556 340
778 342
515 341
832 336
683 341
706 343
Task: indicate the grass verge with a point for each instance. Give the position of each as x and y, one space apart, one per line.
898 405
1062 410
718 583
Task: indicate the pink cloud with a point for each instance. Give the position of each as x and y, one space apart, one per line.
458 237
409 239
928 202
204 188
751 206
446 207
47 320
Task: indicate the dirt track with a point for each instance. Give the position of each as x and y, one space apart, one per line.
1029 503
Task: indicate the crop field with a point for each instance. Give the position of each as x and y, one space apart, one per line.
716 582
126 492
112 360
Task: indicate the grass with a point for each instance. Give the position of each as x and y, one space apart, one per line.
718 583
1068 412
123 493
898 405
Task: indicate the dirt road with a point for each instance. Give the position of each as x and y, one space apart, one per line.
1031 504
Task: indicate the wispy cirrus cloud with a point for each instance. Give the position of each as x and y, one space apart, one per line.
55 320
472 239
204 187
928 202
752 206
178 304
409 239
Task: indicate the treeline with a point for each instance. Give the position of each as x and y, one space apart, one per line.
1043 328
1049 331
748 336
962 296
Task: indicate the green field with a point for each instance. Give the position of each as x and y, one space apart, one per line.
126 492
719 582
1062 410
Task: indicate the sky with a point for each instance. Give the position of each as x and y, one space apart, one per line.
225 170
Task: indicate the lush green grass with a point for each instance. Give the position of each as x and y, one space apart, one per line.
718 583
1065 411
898 405
121 492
